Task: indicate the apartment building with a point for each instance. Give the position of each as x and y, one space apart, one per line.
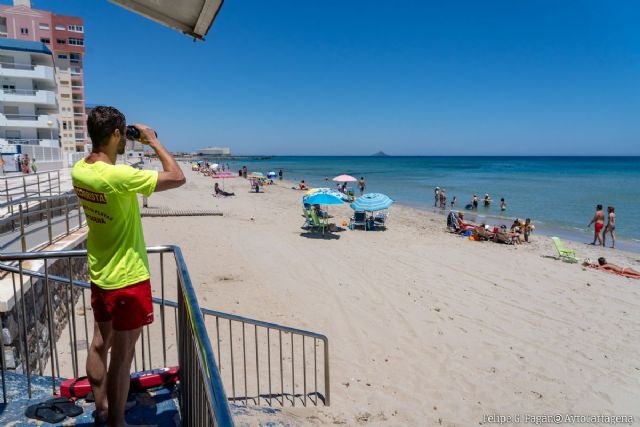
64 36
28 104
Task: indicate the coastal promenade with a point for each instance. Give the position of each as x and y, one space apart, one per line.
427 328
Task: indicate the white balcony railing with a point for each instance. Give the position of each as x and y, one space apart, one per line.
42 121
26 96
40 142
28 71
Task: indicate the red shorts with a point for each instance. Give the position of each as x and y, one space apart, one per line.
126 308
599 226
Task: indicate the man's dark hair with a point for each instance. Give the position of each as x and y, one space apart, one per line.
599 207
102 122
602 261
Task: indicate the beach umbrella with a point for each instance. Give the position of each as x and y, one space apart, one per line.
327 191
322 199
344 178
371 202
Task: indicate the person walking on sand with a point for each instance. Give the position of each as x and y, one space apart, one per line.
116 253
437 197
598 221
611 226
362 185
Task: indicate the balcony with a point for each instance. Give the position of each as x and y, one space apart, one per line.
26 71
25 96
29 121
40 142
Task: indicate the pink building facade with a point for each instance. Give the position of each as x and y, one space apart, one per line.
64 36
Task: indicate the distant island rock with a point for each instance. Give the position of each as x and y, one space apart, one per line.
380 154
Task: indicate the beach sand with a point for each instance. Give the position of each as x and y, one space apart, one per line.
425 327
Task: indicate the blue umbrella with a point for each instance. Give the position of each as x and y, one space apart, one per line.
331 191
322 199
371 202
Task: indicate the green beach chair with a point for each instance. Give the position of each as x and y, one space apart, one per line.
316 223
567 255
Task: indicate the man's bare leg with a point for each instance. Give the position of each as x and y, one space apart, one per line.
118 377
97 367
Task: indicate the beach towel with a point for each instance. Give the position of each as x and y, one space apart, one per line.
628 276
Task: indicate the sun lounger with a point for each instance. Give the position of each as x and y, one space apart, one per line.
380 220
566 255
359 219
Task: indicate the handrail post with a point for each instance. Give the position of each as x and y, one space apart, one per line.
22 237
66 213
58 175
38 179
49 221
79 215
49 181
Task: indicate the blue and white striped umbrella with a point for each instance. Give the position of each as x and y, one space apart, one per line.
371 202
331 191
321 198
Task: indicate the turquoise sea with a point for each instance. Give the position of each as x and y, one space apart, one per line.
558 193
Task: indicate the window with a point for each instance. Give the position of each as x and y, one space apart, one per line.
75 70
76 42
44 26
24 31
64 82
45 40
74 57
61 41
76 28
60 27
62 56
64 125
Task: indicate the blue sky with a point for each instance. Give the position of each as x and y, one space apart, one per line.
354 77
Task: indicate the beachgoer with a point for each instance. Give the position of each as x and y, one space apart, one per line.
244 172
611 226
26 164
453 202
436 196
19 163
344 188
118 266
362 185
303 186
598 221
34 166
443 199
280 174
487 200
474 201
503 204
2 163
320 212
604 265
240 172
220 192
528 228
464 225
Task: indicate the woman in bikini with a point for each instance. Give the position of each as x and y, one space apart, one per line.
611 226
604 265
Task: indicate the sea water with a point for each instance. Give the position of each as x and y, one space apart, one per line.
558 193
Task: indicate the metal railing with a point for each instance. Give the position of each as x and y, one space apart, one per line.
202 399
261 363
14 66
20 91
58 215
20 188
